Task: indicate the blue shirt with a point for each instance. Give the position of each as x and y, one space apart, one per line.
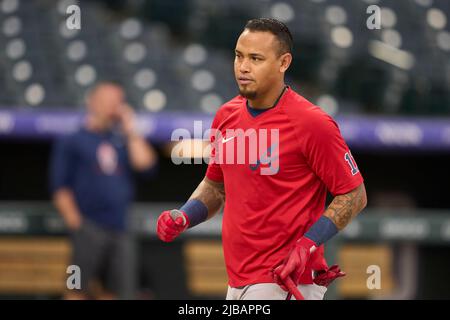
96 167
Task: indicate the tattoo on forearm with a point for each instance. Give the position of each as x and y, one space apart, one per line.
211 193
344 207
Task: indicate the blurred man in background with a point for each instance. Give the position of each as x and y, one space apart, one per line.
91 181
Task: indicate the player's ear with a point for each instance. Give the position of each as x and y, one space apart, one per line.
285 61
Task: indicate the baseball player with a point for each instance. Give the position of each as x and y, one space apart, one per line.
275 219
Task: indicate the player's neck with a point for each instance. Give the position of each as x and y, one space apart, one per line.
268 100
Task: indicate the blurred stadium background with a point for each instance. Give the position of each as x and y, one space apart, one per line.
388 89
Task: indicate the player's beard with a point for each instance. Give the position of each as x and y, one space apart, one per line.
250 95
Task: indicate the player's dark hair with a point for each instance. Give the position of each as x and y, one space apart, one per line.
277 28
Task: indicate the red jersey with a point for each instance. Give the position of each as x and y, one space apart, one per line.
273 196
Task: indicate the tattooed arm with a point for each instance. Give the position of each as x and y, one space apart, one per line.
339 213
345 207
211 194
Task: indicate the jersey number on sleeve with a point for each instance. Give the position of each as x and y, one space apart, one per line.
351 162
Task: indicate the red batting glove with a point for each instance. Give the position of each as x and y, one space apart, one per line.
325 277
168 228
294 264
